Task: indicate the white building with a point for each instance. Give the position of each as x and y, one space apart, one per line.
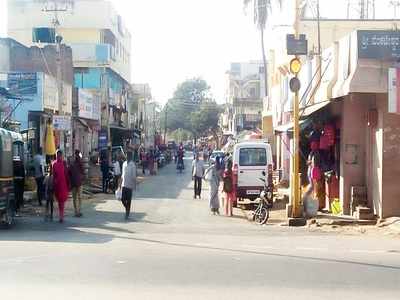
101 49
89 26
244 96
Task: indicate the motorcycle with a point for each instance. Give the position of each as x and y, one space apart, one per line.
261 214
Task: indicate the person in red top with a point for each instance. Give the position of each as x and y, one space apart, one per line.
228 189
61 183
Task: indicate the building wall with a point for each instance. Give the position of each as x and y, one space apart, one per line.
76 27
390 158
352 164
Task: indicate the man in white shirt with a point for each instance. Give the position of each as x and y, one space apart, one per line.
39 164
197 175
128 183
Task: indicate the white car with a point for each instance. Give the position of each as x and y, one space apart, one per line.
250 160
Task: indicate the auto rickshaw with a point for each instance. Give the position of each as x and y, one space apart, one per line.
11 151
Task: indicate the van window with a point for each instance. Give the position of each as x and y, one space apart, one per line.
253 157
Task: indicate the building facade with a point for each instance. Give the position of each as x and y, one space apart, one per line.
245 92
101 47
29 73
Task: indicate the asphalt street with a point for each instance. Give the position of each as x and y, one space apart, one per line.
173 248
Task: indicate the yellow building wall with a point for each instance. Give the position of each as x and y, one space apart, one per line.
80 35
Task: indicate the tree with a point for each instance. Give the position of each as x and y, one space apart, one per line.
188 97
262 10
205 121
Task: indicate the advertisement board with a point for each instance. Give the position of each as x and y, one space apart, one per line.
62 123
22 83
89 104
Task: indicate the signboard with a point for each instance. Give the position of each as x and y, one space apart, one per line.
22 83
89 104
103 139
394 90
379 44
62 123
296 46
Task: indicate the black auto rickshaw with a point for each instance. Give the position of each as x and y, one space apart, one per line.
11 157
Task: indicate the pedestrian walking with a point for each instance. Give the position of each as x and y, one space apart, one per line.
61 183
19 184
143 159
228 189
128 183
197 175
105 169
211 176
39 164
49 194
76 176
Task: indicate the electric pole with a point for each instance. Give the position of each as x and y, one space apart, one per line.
165 123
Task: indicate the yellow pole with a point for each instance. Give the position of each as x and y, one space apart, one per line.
296 183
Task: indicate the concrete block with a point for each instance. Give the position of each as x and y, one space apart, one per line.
289 208
297 222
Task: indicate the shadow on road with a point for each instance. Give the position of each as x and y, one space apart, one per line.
73 230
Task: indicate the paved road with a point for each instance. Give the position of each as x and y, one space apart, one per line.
175 249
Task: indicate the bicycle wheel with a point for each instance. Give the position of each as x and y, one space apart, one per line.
262 216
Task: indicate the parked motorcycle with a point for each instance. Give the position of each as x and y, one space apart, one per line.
261 214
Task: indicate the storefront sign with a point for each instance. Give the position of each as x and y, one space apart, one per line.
62 123
89 104
22 83
394 90
379 44
103 139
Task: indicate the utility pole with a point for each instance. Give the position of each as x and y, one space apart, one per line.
56 9
296 213
165 123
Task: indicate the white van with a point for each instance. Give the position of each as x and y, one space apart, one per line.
250 160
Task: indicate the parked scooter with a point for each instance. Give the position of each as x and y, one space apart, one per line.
261 214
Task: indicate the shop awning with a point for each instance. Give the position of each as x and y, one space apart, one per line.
309 110
289 126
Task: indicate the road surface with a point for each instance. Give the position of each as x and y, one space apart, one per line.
173 248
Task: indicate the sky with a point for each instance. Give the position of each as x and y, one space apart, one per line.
179 39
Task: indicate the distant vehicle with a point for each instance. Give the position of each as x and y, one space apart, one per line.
214 155
171 145
250 160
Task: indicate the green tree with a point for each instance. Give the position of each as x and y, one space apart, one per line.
261 11
188 97
205 120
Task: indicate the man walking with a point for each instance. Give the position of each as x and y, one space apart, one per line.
128 184
197 174
38 164
76 173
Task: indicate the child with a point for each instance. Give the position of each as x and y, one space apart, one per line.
49 194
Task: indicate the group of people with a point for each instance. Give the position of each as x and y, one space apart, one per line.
61 178
64 177
219 176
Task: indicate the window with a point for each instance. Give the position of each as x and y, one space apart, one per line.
253 157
